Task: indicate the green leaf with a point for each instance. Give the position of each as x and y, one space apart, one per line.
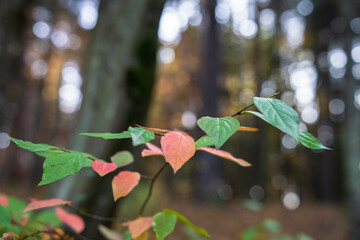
16 208
278 114
303 236
122 158
49 218
272 225
219 129
140 136
204 141
60 165
42 150
127 235
163 224
253 205
5 219
122 135
187 222
249 234
311 142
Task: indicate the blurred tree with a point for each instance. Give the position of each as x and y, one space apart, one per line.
119 78
12 82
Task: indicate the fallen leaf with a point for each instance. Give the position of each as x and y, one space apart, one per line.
72 220
38 204
103 168
177 148
124 183
152 150
226 155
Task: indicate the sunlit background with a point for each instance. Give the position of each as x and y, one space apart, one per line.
309 51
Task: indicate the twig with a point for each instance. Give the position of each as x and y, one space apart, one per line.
250 105
151 188
96 217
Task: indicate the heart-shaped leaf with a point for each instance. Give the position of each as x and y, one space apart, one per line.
124 183
226 155
278 114
139 226
140 136
103 168
311 142
183 219
122 158
177 148
152 150
219 129
61 164
39 204
121 135
72 220
163 224
4 200
204 141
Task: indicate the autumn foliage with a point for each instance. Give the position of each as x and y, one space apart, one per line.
176 148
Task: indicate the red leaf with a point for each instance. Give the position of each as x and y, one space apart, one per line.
139 225
177 148
248 129
103 168
38 204
226 155
152 150
124 183
72 220
3 200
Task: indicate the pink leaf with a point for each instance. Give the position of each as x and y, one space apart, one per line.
177 148
152 150
103 168
139 226
3 200
72 220
124 183
226 155
38 204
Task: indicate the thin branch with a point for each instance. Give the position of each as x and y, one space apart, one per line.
151 188
96 217
250 105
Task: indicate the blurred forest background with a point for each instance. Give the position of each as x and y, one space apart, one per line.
72 66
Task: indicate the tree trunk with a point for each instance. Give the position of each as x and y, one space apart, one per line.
118 85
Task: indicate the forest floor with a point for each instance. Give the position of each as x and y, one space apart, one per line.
227 222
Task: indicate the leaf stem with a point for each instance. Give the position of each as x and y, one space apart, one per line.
151 188
250 105
96 217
